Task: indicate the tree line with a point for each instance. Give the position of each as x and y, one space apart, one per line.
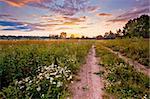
137 27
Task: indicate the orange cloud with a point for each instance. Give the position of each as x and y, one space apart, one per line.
20 3
69 23
104 14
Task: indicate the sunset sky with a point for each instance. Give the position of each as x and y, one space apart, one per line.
83 17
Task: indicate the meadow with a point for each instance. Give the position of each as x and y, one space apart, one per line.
136 49
121 79
39 69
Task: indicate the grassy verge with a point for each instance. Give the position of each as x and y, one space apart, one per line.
122 80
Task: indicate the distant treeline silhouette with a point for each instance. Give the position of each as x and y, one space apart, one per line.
137 27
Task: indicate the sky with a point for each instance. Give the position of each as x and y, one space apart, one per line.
82 17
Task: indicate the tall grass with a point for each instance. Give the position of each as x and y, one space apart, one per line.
137 49
122 80
40 70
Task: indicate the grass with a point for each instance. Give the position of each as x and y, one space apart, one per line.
122 80
39 69
136 49
43 69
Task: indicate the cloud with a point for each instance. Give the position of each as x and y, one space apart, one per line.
20 3
8 23
118 20
22 26
73 19
67 7
9 29
104 14
67 20
83 27
70 23
136 12
7 17
4 15
63 28
92 8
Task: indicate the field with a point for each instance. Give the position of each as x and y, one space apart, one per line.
136 49
34 69
121 79
39 70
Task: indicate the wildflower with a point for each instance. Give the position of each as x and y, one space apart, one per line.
70 77
27 79
40 77
20 82
30 81
16 82
42 95
38 89
57 76
52 65
53 73
145 96
37 82
40 74
21 87
54 83
59 84
51 79
71 81
47 76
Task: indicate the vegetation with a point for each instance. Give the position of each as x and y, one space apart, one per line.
39 70
44 69
138 27
137 49
122 80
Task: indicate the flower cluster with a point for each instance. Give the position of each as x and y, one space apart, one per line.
53 75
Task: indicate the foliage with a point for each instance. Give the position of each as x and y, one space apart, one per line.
138 27
122 80
137 49
40 70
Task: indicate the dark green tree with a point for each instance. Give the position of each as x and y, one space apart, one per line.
138 27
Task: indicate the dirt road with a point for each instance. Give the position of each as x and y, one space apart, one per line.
137 66
89 85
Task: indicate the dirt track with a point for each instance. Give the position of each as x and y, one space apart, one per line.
137 66
89 85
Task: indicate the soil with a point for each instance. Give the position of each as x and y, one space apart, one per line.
137 66
88 84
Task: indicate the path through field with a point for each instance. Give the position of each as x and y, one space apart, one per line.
138 66
89 85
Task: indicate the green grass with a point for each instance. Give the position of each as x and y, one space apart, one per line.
137 49
122 80
41 70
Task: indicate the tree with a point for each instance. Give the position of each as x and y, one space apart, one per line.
63 35
138 27
109 35
83 37
119 33
99 37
